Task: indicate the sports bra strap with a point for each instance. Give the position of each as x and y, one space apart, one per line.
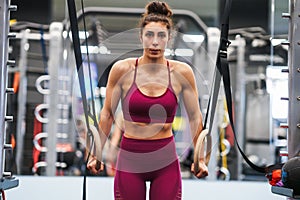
169 73
135 69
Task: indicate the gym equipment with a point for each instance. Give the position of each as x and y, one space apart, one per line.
7 180
93 137
221 59
290 174
293 114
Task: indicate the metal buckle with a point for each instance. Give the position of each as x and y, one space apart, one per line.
223 53
224 45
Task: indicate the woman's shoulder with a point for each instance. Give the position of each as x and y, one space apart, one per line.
180 67
123 66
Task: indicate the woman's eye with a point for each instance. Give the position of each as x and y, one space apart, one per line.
162 35
148 34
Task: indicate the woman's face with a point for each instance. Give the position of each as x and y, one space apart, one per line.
155 37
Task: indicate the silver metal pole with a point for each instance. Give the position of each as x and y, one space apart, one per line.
4 24
294 80
22 99
54 63
240 99
5 8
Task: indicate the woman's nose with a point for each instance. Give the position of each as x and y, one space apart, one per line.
155 41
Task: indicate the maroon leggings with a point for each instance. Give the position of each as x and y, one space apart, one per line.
147 160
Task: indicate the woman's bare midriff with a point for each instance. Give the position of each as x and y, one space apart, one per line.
151 131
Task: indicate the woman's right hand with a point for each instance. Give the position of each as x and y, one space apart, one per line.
203 170
95 166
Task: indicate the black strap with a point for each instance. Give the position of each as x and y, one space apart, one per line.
78 56
226 82
223 67
80 71
224 43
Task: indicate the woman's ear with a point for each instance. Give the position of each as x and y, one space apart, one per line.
141 38
170 36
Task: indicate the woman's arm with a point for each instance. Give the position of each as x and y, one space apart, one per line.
112 97
113 94
113 148
191 103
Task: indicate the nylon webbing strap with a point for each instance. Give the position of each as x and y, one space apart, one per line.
80 71
218 70
226 81
212 102
78 56
222 71
223 67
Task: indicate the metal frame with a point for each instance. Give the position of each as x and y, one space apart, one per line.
138 11
294 80
21 100
25 36
7 181
57 107
294 91
239 43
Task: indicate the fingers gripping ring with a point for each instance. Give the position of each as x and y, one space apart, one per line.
200 152
96 149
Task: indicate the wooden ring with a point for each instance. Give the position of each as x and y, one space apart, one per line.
96 149
199 150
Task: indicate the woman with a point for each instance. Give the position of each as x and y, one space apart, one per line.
149 88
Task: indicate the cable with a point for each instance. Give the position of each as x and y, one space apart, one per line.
3 194
44 54
89 67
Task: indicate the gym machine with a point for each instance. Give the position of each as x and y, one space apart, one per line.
7 181
293 71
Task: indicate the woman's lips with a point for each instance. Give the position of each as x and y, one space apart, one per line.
154 51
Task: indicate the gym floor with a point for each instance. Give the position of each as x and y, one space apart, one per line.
65 188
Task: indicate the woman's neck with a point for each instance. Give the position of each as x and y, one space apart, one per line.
145 60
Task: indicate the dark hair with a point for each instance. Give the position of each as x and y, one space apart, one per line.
157 11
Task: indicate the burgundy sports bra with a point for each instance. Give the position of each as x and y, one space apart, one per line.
138 107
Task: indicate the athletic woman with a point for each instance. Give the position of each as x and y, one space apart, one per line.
149 88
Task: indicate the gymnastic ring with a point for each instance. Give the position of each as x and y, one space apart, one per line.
96 149
199 149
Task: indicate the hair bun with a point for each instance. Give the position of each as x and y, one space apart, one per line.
157 7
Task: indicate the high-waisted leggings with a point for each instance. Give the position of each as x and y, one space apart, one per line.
140 161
